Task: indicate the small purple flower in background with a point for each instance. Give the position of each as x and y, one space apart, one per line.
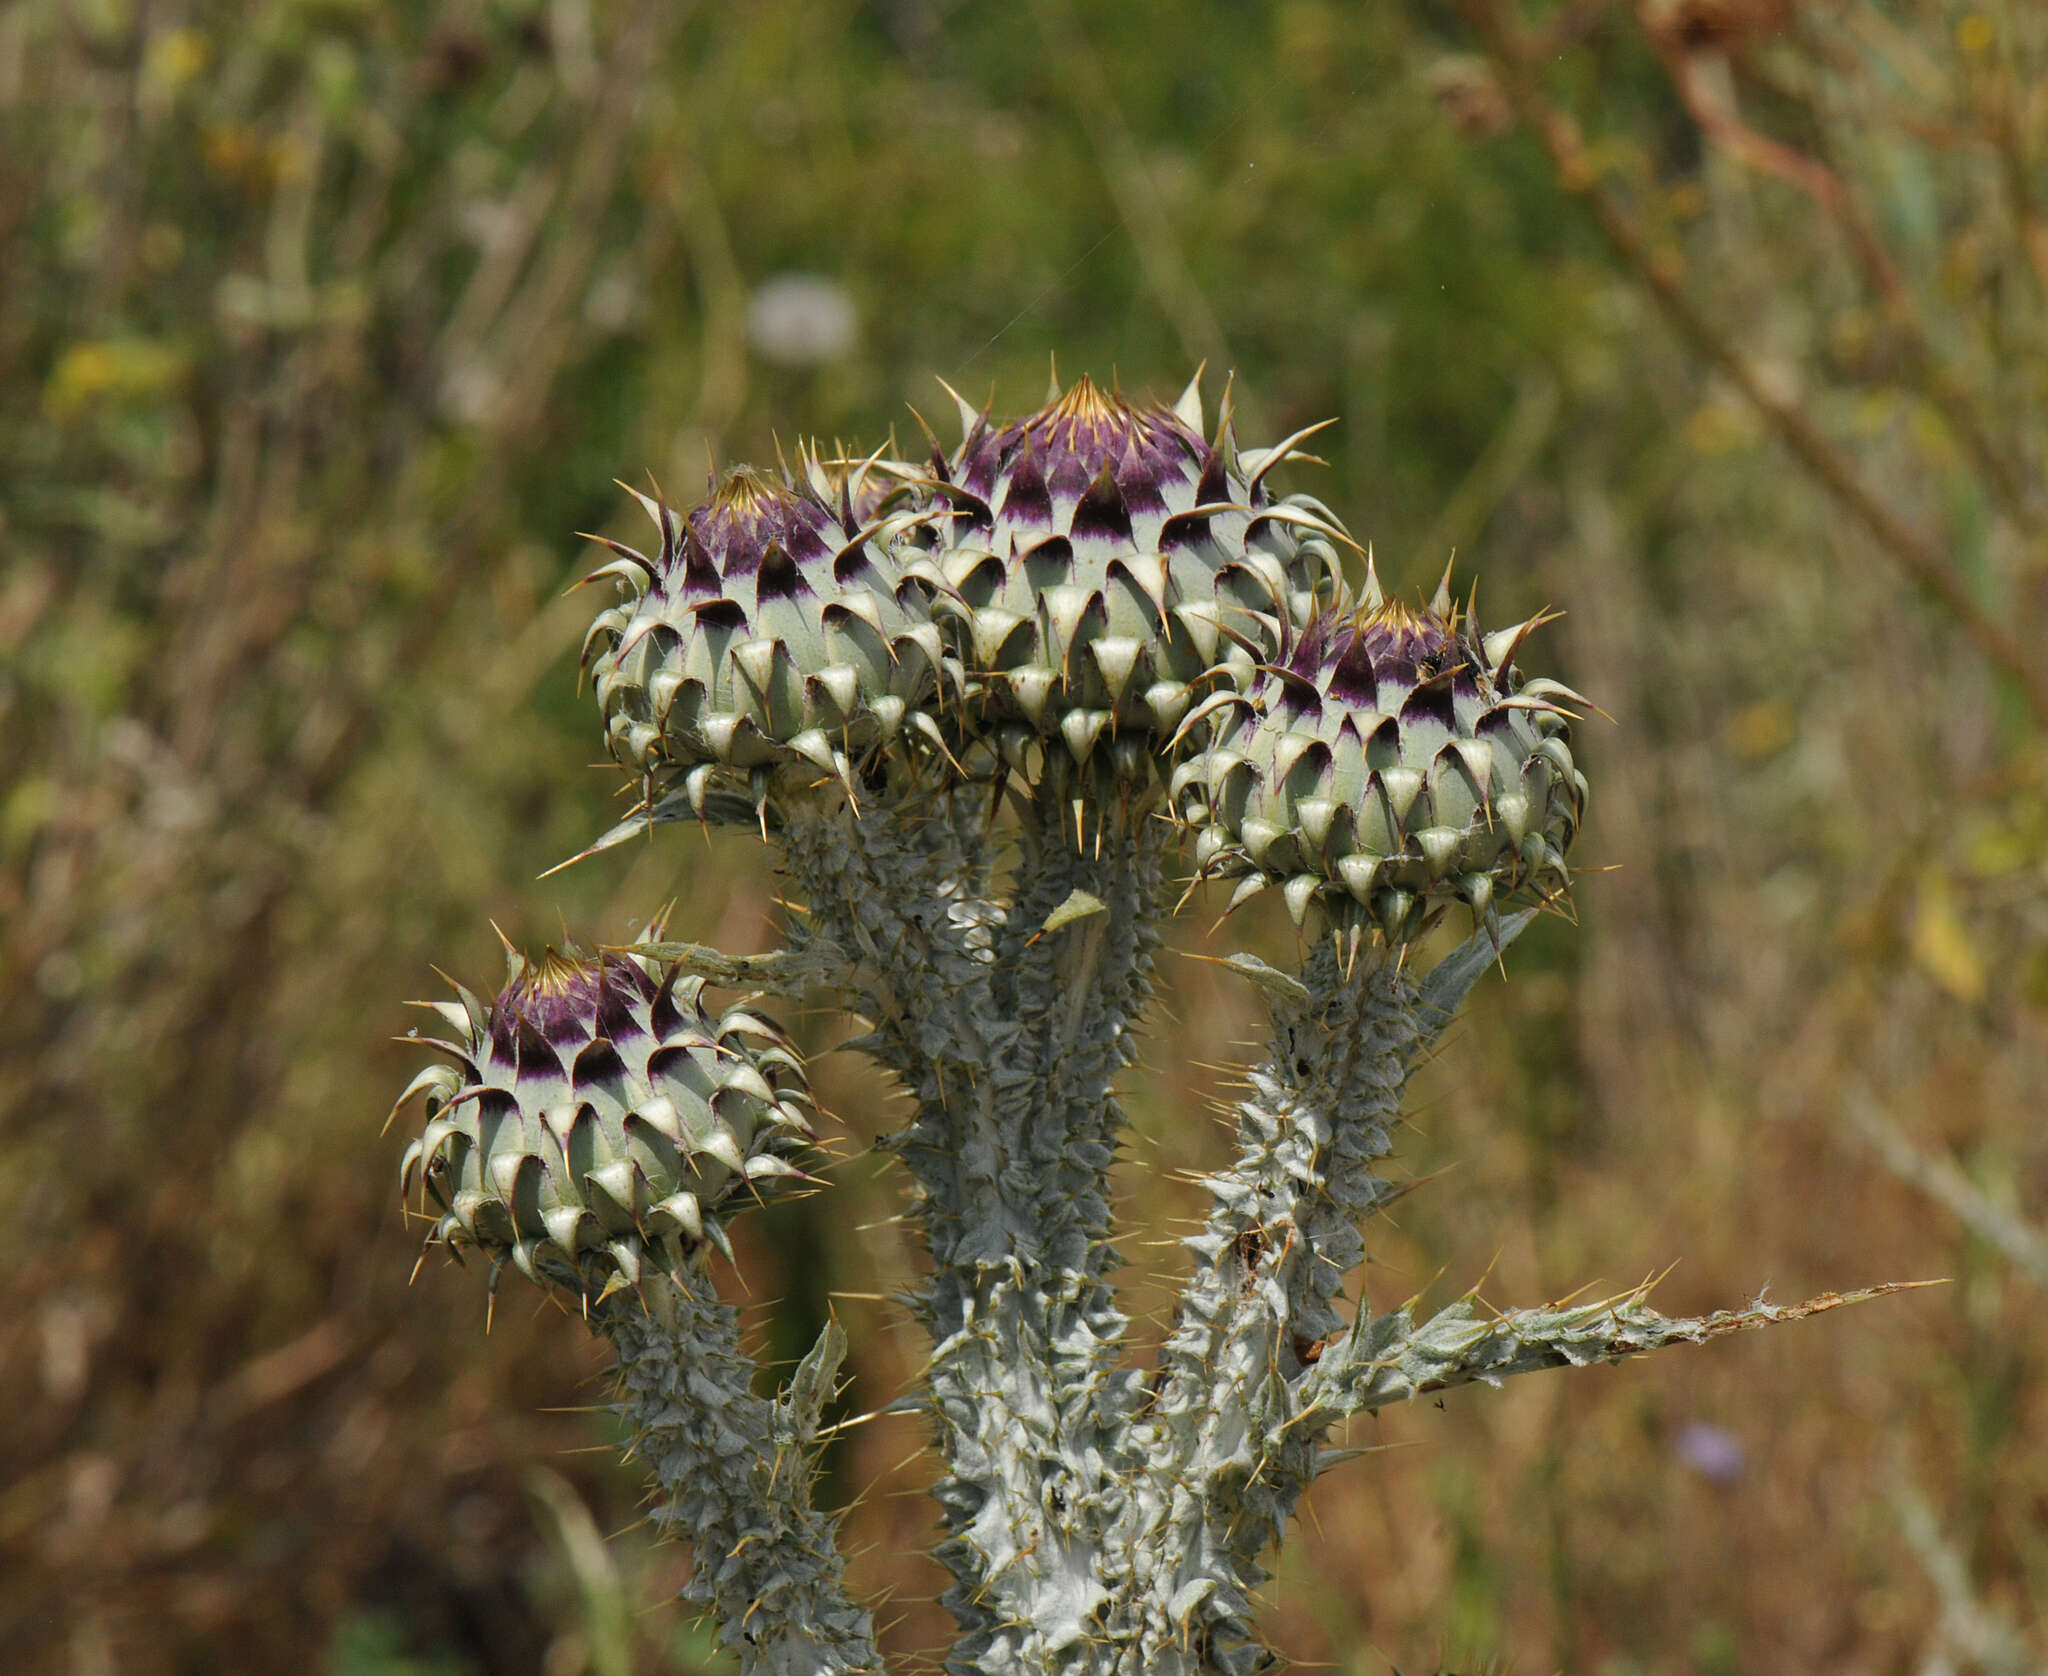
1714 1452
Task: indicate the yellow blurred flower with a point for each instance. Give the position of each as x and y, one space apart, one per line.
1762 729
119 368
1942 945
172 58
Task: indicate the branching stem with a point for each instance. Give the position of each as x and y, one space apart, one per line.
1232 1436
733 1473
1007 1024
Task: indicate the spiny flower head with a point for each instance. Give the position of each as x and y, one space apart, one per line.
1099 566
1388 761
594 1119
771 640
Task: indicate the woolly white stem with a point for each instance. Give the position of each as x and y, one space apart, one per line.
1007 1024
1391 1358
1231 1439
734 1474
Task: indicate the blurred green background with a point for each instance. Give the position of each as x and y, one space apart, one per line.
325 324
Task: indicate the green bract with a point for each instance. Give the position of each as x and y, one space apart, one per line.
1099 567
596 1119
1387 762
773 640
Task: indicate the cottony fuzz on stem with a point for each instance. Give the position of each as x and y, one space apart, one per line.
982 705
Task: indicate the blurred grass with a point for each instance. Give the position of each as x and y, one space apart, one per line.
323 325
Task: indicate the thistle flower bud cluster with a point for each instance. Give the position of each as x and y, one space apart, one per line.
1072 582
984 706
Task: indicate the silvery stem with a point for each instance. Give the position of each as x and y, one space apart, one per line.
734 1473
1007 1023
1231 1438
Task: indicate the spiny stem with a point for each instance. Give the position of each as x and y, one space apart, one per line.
1231 1438
734 1472
1231 1458
1008 1025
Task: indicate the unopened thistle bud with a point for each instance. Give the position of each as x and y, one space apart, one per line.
1390 761
771 644
595 1121
1100 567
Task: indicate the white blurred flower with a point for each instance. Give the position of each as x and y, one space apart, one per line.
613 301
801 320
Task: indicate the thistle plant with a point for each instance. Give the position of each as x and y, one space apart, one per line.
995 712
